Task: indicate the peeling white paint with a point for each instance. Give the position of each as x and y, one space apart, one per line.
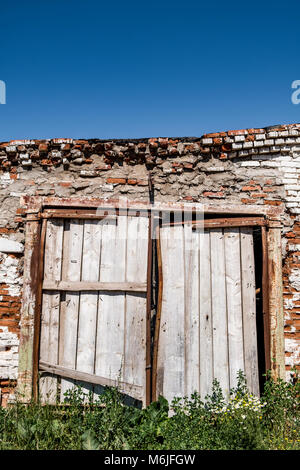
292 346
294 279
9 274
9 356
10 246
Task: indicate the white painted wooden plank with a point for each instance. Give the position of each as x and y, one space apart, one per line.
71 310
249 310
136 304
84 286
234 303
192 346
206 336
51 307
170 367
89 301
219 309
111 306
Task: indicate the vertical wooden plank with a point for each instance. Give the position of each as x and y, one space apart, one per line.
71 310
135 321
29 299
219 309
265 294
170 364
249 309
205 307
51 307
150 295
38 312
111 306
89 301
234 303
276 316
192 346
156 385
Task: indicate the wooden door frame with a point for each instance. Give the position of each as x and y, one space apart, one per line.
33 271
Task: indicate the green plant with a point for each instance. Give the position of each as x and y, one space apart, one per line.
241 421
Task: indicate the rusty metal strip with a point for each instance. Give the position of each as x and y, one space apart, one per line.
265 296
222 222
38 310
88 378
148 313
158 314
235 222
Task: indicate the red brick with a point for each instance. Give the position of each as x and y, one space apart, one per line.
290 235
215 134
213 194
43 147
251 188
238 132
248 201
273 203
116 180
259 195
132 181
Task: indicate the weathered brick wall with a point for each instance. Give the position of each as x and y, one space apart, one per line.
253 166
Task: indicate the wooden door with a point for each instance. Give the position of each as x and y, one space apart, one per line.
207 324
93 319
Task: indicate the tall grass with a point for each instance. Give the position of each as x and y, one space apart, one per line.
243 422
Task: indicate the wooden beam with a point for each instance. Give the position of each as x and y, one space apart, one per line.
95 286
275 300
38 311
265 297
158 315
148 310
28 310
88 378
98 203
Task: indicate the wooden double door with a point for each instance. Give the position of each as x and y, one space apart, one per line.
95 327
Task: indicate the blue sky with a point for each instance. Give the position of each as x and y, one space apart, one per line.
95 69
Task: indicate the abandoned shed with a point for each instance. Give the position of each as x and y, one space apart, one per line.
154 264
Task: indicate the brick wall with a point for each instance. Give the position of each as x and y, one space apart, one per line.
252 166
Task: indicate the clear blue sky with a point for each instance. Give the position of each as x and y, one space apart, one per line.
95 69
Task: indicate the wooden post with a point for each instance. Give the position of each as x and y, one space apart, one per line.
277 355
31 276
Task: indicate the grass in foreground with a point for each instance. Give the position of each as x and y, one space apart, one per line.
245 422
